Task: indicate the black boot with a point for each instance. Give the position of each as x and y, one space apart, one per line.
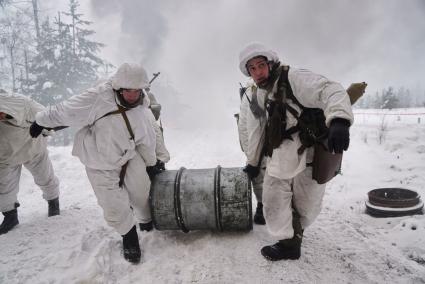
259 217
53 207
10 220
131 248
283 249
146 226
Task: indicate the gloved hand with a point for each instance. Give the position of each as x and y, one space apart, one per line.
252 171
152 171
339 135
160 165
35 129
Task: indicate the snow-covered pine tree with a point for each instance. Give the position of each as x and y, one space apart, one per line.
84 61
44 84
67 61
389 99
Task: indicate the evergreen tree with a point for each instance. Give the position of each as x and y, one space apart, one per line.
404 98
82 58
67 61
389 99
45 84
3 3
377 101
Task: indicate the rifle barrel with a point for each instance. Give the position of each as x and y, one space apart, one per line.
154 77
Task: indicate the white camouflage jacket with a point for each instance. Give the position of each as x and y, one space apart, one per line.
104 143
312 91
16 144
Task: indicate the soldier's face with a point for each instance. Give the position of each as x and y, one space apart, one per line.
131 95
258 68
2 116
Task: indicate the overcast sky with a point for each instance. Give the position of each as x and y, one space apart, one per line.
195 44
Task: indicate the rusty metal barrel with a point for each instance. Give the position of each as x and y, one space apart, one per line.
201 199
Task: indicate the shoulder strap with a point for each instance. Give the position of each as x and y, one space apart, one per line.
107 114
122 110
289 93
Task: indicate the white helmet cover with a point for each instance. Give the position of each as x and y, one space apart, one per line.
130 76
253 50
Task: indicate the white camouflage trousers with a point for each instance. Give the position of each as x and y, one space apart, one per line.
278 195
121 205
42 171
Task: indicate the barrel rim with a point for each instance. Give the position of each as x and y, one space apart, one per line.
217 198
177 204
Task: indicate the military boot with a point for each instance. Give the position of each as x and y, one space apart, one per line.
258 216
10 220
283 249
53 207
131 248
146 226
289 248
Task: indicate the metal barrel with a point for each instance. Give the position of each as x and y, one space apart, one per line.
197 199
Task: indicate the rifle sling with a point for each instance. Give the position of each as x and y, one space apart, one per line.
122 111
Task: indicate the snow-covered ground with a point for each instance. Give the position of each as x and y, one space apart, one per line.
344 245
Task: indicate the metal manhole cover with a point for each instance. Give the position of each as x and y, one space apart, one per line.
393 197
393 202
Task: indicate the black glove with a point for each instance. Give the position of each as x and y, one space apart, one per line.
152 171
252 171
339 135
35 129
160 165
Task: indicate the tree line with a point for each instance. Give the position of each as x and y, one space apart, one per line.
389 98
47 59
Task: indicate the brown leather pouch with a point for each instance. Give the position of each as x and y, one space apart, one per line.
326 165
